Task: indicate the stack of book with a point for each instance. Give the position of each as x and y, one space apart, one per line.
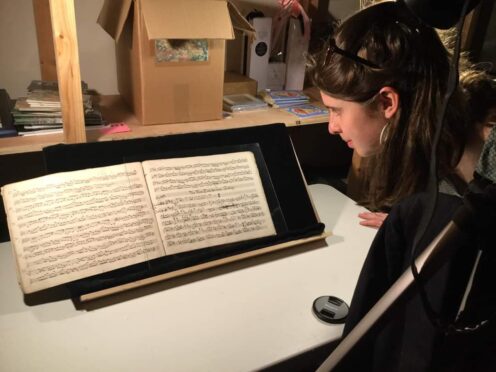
284 98
242 102
309 111
40 111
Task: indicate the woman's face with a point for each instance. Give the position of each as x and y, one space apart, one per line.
356 125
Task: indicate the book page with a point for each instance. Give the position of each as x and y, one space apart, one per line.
68 226
205 201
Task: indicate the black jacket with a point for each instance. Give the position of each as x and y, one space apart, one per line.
405 339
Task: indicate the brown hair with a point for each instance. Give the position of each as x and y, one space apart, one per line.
411 58
481 94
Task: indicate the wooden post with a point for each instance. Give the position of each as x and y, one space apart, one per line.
48 68
69 76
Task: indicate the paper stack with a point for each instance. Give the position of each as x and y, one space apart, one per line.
242 102
41 111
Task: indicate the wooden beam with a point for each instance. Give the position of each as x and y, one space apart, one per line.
69 75
48 68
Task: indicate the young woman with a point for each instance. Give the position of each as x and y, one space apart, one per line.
383 77
480 95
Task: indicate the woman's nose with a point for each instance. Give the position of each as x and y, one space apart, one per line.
333 127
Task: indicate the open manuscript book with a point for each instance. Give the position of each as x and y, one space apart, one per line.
72 225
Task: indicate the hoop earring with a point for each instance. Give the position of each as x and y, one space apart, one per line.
382 138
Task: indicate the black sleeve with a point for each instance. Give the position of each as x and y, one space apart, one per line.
407 330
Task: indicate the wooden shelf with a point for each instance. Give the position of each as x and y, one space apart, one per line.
55 20
115 110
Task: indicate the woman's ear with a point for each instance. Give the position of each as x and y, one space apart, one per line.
389 100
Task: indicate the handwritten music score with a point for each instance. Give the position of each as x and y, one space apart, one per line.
208 200
72 225
68 226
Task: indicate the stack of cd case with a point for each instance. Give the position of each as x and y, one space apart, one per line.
242 102
284 98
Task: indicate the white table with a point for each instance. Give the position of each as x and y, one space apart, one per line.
239 317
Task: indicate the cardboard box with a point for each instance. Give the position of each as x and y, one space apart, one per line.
158 89
235 83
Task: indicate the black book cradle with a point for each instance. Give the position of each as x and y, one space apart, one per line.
285 188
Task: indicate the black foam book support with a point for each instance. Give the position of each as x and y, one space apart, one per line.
284 186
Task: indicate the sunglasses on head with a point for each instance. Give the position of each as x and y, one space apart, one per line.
333 48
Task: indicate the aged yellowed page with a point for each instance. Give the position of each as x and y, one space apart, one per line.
68 226
205 201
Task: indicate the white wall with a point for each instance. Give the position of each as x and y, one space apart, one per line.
19 62
18 48
96 48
